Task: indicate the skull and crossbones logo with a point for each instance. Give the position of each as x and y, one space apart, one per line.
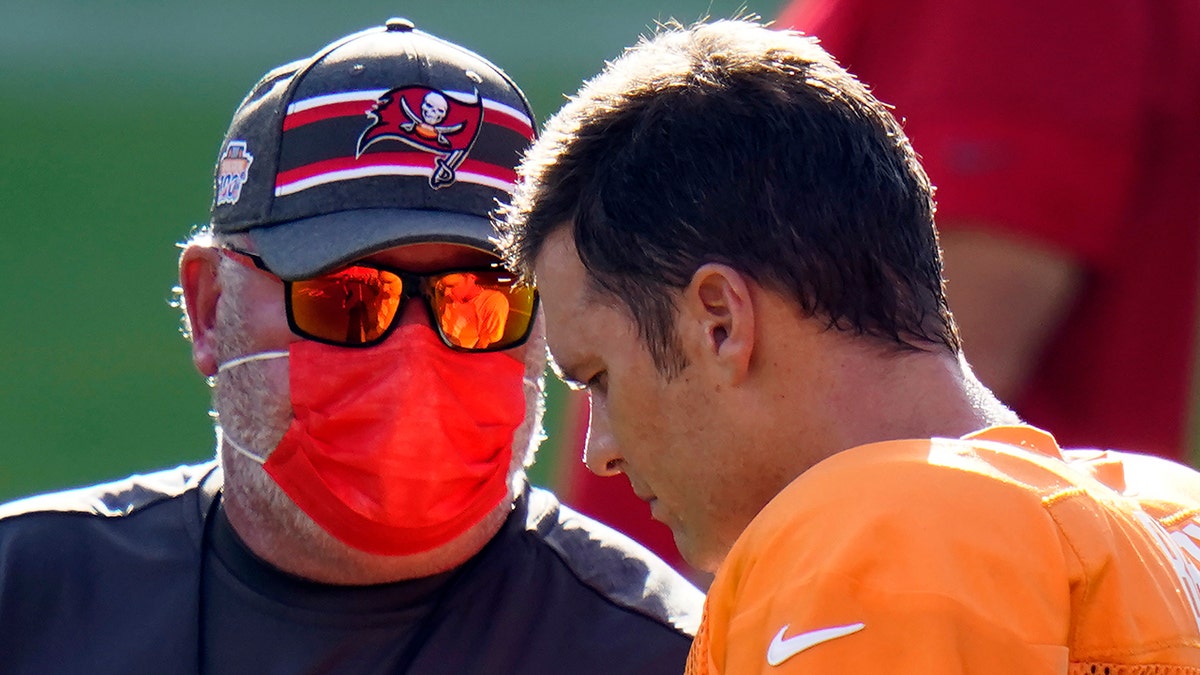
434 108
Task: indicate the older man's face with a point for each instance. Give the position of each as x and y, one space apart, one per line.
253 319
252 400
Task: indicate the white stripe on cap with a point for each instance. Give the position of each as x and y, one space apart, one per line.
333 99
386 170
510 111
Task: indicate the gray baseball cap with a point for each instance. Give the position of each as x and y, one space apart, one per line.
386 137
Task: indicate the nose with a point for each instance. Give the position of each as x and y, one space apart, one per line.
600 452
414 310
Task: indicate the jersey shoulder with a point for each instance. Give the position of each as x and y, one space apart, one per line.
116 498
907 478
615 566
891 505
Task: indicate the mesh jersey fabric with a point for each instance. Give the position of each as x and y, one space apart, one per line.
995 553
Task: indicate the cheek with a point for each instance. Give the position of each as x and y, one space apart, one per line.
683 444
677 411
272 330
631 417
651 433
239 332
277 378
265 309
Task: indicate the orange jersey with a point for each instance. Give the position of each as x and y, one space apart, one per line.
995 553
477 322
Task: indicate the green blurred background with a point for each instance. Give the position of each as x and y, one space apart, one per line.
110 118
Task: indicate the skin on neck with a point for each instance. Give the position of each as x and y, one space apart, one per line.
859 390
808 392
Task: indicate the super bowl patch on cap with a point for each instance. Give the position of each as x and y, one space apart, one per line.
232 170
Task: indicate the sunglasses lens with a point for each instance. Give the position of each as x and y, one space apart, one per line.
352 306
482 309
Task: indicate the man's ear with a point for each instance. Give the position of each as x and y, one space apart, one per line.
201 291
718 311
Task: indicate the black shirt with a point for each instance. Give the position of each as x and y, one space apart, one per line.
147 576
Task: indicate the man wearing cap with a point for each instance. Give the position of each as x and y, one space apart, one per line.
368 509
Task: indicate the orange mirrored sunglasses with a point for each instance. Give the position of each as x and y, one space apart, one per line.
479 309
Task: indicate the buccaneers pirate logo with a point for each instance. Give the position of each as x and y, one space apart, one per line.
441 123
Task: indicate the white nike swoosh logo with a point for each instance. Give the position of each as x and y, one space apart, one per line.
781 650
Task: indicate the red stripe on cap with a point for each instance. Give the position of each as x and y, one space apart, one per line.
326 112
509 121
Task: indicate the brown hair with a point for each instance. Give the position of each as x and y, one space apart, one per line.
730 142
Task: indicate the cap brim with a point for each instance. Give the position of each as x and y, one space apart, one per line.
300 249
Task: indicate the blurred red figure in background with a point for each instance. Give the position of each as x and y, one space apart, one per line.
1064 146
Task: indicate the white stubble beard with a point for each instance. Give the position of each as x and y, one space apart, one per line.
252 406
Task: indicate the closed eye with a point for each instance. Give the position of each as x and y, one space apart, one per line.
573 383
598 382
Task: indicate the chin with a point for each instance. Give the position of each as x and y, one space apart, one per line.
262 501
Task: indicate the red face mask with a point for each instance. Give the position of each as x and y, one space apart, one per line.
400 448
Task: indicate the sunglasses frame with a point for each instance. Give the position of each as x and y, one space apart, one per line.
410 280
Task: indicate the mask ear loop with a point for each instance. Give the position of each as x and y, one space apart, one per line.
223 437
261 356
226 439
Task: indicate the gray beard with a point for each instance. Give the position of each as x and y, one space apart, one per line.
248 406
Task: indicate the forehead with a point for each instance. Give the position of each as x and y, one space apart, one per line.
561 277
576 320
432 256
